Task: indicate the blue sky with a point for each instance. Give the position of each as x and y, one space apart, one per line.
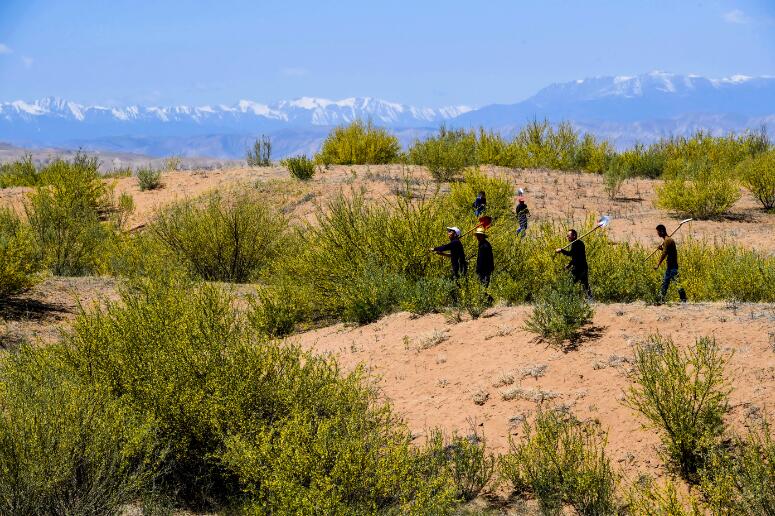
430 53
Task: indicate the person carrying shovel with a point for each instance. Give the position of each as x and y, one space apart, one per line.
578 261
485 263
669 254
454 249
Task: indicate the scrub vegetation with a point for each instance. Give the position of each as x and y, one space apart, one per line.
184 395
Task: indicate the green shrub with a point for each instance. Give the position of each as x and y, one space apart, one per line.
148 179
372 293
66 448
559 312
758 176
593 155
261 155
645 498
614 177
71 216
19 265
277 309
473 297
445 155
428 295
561 461
300 167
222 236
644 161
22 172
739 479
697 189
682 393
470 464
359 144
261 425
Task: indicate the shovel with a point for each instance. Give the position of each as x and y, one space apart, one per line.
485 222
671 234
601 223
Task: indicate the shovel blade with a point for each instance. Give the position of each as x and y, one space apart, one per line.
485 221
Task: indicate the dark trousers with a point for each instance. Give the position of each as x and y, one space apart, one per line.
484 279
671 275
582 277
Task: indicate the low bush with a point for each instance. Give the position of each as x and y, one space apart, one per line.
65 447
499 191
148 179
646 498
470 465
445 155
697 189
21 172
261 154
644 161
683 394
614 177
428 295
359 144
559 312
262 427
19 265
561 462
72 216
222 236
277 309
758 176
739 478
300 167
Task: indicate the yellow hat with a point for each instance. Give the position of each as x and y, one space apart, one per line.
480 231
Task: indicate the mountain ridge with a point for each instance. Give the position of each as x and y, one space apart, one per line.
623 109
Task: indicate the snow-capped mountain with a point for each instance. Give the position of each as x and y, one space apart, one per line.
623 109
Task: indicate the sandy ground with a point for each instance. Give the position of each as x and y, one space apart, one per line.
551 195
435 371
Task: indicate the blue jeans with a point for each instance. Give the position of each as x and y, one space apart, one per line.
522 230
672 275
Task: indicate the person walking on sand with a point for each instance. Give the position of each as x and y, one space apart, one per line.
454 249
578 261
669 254
480 204
522 213
485 263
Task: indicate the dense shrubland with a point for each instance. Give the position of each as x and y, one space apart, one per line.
19 266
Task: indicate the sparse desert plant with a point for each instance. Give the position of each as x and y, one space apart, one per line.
740 478
261 154
445 155
172 163
359 144
148 179
19 264
473 296
559 312
66 447
646 498
223 236
472 466
684 394
300 167
66 215
758 176
614 177
561 461
697 189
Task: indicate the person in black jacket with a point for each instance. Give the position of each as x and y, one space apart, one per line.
454 249
485 263
578 261
480 203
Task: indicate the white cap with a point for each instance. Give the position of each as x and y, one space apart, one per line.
521 191
455 229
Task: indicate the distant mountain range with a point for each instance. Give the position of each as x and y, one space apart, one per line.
622 109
